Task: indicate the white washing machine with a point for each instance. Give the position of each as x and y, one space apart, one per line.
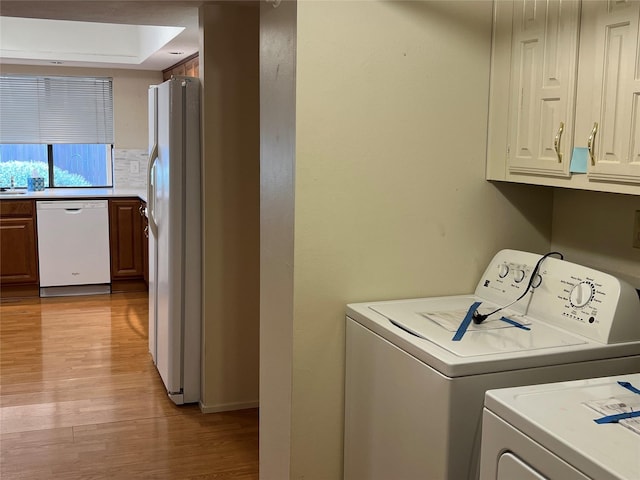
417 370
549 431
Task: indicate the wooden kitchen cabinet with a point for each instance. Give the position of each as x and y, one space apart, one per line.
127 245
549 109
18 249
190 67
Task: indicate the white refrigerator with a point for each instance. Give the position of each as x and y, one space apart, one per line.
173 209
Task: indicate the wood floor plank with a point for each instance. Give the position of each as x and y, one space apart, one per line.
81 399
78 388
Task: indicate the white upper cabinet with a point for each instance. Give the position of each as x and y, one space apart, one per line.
542 93
609 116
551 92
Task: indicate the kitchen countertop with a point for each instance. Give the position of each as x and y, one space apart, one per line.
73 193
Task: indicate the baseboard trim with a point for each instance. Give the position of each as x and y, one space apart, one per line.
15 292
227 407
128 285
75 290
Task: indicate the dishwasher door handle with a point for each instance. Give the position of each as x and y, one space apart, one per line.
73 211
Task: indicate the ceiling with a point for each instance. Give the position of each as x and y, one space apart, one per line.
159 13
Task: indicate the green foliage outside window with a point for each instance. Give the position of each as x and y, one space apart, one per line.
22 170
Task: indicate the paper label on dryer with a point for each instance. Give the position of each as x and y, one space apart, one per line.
618 405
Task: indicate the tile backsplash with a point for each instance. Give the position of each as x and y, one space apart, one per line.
130 168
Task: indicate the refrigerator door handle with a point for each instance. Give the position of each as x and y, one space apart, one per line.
151 193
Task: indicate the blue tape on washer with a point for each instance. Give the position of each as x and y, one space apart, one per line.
514 323
465 322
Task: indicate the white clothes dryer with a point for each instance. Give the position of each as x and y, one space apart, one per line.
549 432
417 370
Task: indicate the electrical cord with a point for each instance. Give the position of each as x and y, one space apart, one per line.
479 317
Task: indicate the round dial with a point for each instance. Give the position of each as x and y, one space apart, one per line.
581 294
518 276
536 281
503 271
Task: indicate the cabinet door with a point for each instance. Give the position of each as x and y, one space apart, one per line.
610 33
18 253
126 239
179 70
542 87
191 67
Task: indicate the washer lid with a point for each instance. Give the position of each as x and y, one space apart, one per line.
437 322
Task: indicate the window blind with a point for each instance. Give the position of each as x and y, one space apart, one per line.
56 109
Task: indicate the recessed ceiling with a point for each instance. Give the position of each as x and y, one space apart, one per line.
61 41
99 34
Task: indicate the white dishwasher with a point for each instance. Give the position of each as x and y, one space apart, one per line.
73 247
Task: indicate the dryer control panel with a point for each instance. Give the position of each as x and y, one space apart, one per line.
576 298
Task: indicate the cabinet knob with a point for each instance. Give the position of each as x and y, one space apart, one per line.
146 231
591 143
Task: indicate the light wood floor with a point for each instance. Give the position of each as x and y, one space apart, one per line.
81 399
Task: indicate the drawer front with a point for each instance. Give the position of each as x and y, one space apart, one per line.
16 208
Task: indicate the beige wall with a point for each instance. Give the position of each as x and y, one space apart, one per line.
129 97
386 184
596 229
229 71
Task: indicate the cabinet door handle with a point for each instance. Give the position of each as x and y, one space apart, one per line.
141 210
146 231
556 142
590 143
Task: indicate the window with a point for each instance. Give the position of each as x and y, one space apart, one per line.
61 165
58 128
